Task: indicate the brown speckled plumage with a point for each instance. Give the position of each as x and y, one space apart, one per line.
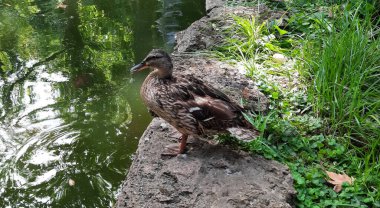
187 103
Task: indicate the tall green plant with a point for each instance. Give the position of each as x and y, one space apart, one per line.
347 78
244 38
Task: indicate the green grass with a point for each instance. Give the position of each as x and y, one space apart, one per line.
346 74
243 40
326 116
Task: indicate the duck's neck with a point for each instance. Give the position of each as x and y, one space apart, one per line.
163 73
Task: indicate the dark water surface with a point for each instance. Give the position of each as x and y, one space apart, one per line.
70 113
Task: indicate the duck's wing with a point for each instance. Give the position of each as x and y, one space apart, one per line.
211 108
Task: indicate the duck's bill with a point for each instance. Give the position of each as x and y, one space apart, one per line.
138 67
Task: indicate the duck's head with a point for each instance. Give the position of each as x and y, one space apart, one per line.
158 60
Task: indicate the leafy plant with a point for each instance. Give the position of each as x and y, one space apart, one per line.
337 50
244 38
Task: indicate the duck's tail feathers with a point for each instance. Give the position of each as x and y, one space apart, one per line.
242 134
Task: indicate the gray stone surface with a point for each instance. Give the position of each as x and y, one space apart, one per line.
211 4
207 32
209 175
198 36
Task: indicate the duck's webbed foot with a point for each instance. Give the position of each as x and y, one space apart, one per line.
175 149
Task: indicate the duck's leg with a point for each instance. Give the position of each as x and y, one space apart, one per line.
182 145
176 150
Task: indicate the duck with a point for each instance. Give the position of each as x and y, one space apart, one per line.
191 106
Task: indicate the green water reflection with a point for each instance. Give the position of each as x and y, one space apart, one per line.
70 113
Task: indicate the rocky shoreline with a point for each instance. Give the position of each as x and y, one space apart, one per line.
209 175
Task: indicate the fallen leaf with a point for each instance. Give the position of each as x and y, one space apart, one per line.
338 179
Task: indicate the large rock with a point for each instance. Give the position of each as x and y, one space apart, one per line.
207 32
209 175
199 35
212 4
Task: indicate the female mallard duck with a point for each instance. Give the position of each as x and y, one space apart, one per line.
188 104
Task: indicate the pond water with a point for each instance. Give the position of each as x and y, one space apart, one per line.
70 112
